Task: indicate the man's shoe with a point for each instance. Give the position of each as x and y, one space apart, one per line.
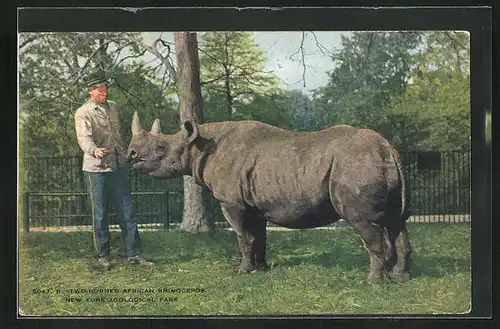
106 263
139 260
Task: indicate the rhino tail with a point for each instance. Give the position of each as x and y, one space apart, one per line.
404 197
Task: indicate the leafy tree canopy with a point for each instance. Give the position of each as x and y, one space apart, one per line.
50 87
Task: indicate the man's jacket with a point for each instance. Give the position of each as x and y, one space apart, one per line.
98 126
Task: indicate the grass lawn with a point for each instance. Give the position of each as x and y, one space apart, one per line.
312 272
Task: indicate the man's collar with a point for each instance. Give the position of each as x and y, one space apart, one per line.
96 104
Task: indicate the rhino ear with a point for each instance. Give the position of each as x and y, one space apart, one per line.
156 128
191 129
136 124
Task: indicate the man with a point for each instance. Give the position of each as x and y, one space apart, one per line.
105 172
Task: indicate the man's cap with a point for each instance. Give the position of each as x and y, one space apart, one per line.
96 79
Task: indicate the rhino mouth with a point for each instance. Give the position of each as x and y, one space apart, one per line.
140 165
147 167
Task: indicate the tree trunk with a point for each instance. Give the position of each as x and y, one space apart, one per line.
195 217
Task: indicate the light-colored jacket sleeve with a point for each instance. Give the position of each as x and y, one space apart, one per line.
83 129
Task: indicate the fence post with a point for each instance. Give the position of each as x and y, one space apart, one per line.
26 213
166 216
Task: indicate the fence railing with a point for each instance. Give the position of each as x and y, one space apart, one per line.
52 192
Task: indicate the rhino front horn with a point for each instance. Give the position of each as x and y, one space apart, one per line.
136 124
156 128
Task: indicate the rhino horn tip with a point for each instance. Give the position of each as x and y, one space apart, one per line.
136 124
156 128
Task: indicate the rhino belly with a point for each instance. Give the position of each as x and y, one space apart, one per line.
301 216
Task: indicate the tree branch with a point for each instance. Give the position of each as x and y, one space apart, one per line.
324 51
29 40
87 62
212 80
153 50
131 56
455 41
301 50
127 91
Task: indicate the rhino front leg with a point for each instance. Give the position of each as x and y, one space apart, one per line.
236 217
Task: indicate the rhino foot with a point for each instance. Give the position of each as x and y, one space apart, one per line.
399 276
375 278
262 266
246 268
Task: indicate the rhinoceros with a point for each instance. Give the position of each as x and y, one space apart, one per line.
299 180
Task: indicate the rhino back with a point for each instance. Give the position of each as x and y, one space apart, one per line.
236 141
273 169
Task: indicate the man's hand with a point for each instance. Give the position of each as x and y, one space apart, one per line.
100 152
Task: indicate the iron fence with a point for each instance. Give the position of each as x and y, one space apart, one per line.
52 192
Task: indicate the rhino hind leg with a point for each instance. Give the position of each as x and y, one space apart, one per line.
380 252
400 271
377 242
250 232
258 229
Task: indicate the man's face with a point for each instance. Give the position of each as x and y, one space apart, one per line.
99 94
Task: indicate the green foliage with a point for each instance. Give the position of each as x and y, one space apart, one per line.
51 89
235 84
301 110
413 87
370 68
273 109
434 112
312 272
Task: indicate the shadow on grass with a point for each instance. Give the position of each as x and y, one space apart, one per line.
439 266
329 259
421 265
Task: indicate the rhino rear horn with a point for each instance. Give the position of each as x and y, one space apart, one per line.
156 128
136 124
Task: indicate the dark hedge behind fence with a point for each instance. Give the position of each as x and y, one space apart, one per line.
52 192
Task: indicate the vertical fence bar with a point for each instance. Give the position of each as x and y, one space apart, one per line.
459 185
458 174
413 190
448 184
166 214
460 188
166 224
425 185
439 177
26 213
465 187
432 190
435 191
469 185
453 182
456 184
